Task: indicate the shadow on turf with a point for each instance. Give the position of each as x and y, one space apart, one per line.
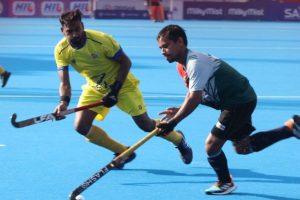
245 195
241 175
238 174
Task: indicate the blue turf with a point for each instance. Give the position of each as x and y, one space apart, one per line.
47 161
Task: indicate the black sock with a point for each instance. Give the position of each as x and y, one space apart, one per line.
262 140
219 164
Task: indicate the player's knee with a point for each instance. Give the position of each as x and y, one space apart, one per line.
242 150
210 152
82 129
144 122
210 148
243 146
147 126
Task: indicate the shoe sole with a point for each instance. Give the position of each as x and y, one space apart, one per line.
6 80
129 159
296 130
223 193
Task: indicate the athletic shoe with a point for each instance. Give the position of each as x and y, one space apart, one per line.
294 124
296 128
5 76
220 188
126 160
185 150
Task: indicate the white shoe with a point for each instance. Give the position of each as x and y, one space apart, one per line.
220 188
294 124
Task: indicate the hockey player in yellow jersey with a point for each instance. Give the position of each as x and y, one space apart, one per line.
106 67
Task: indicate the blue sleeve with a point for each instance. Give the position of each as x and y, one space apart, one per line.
117 54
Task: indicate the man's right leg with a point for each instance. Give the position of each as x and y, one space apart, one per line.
96 135
218 162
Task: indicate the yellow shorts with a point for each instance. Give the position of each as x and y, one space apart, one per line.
130 100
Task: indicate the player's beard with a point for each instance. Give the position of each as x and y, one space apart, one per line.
76 42
79 41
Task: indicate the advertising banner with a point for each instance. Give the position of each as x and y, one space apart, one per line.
173 8
118 9
46 8
3 8
83 5
259 10
176 9
51 8
287 11
121 14
225 11
22 8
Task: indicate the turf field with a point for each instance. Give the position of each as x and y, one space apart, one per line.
47 161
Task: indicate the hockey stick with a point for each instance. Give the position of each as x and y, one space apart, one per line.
50 116
110 166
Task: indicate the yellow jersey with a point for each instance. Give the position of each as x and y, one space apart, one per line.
94 61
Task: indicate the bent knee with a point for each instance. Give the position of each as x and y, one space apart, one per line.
212 150
212 147
82 129
147 125
243 146
147 128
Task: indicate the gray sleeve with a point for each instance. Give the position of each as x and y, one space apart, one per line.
199 72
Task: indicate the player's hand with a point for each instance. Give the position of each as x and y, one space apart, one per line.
111 98
60 107
169 113
165 127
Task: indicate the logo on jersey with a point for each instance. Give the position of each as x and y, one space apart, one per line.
94 56
23 8
52 8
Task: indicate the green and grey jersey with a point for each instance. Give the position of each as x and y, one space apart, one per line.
222 85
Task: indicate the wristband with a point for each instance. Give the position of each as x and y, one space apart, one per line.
66 99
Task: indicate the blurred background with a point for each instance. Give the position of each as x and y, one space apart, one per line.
267 10
260 38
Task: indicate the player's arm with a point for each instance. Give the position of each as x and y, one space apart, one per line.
65 85
125 65
64 89
192 100
111 98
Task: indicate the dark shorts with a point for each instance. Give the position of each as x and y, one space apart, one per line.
235 123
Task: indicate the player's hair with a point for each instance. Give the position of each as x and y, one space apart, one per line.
173 32
69 17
